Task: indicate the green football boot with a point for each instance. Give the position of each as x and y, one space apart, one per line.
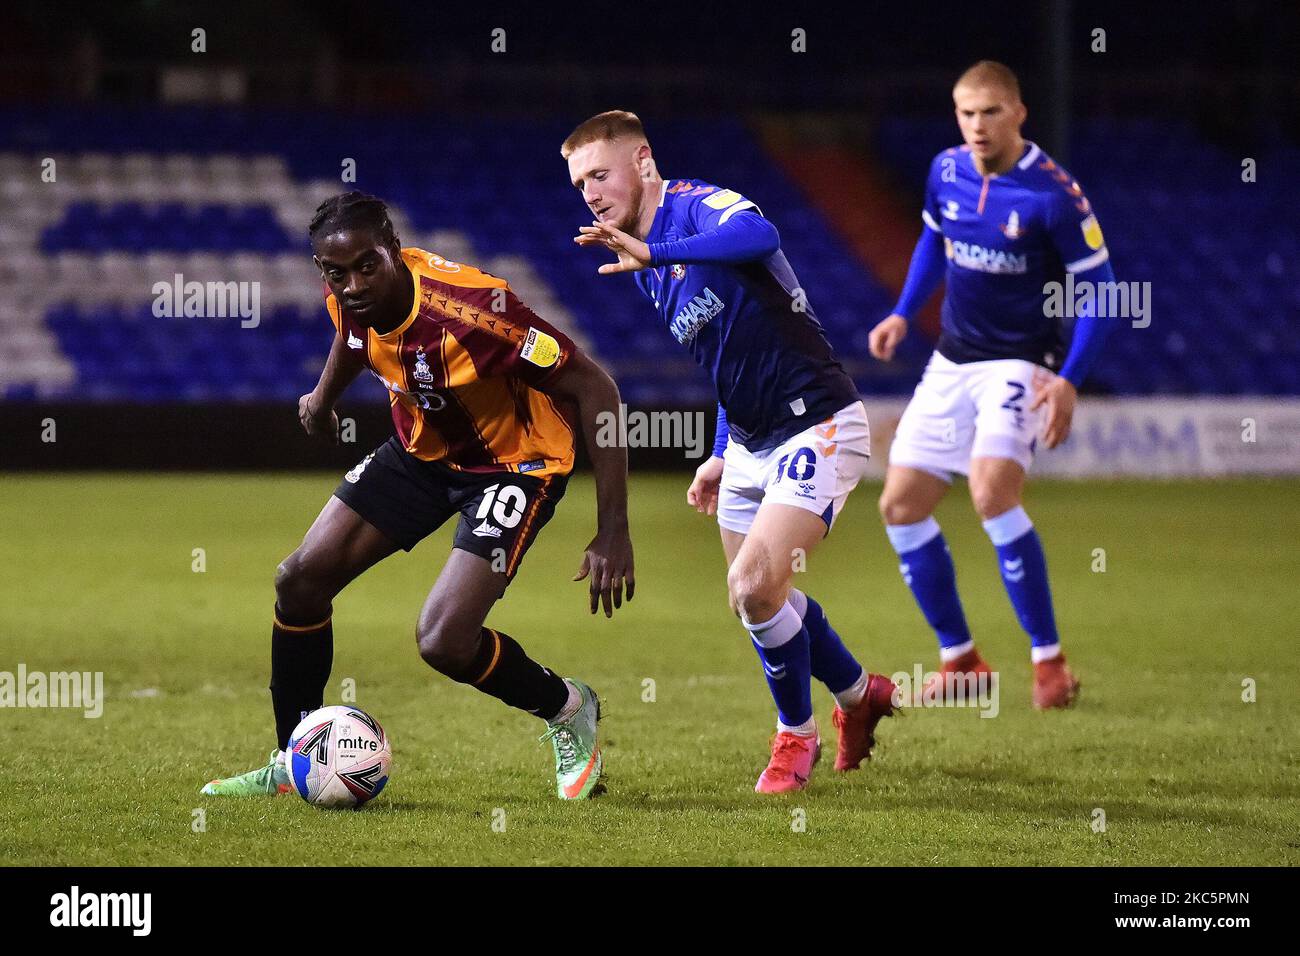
269 780
578 761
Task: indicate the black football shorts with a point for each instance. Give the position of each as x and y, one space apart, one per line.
408 499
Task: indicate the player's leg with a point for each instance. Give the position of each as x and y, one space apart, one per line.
453 641
758 584
907 506
500 518
830 661
932 442
338 547
1005 439
996 486
805 483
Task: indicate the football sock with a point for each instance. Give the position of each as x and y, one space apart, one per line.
926 566
831 662
570 706
782 646
501 669
851 696
1024 573
302 654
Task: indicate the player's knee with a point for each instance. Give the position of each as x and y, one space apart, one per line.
754 594
446 645
990 501
896 509
298 590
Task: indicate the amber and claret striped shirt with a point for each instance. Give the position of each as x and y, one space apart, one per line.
462 370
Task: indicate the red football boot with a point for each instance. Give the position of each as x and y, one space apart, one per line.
966 671
791 765
857 726
1054 684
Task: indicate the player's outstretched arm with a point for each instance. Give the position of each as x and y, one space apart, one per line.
607 563
744 237
316 408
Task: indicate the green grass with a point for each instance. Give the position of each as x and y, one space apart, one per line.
1199 593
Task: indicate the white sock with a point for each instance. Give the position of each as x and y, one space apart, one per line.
852 695
1045 652
807 729
947 654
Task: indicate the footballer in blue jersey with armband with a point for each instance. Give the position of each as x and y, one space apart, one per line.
1002 222
792 437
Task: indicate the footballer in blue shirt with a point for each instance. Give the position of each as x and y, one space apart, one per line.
792 437
1002 223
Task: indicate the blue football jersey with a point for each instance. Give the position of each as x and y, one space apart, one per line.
1005 237
747 324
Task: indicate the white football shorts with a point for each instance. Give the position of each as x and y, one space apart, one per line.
971 410
814 470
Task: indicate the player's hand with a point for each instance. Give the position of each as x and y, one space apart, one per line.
608 566
633 254
1059 396
702 495
884 338
318 421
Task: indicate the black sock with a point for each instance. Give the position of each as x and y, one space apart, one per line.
302 654
502 669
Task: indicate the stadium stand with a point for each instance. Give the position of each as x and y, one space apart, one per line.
135 205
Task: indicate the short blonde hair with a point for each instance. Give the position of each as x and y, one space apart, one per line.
610 125
990 73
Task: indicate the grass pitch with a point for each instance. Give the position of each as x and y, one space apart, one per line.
1199 594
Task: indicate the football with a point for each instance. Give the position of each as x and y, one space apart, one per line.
338 758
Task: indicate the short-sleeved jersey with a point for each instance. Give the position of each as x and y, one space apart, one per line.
462 369
1005 237
748 324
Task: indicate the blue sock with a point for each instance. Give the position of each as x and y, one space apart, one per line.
831 662
1024 572
782 645
927 568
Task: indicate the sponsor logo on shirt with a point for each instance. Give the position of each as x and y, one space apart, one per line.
968 255
354 342
430 402
695 315
1091 230
728 197
540 349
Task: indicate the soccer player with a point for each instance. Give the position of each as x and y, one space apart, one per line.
792 436
476 382
1008 220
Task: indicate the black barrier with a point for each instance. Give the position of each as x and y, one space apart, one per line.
267 437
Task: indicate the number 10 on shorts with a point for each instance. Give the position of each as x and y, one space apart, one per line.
506 504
